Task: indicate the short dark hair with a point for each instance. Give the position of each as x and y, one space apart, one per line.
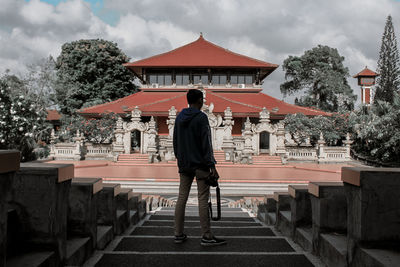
193 95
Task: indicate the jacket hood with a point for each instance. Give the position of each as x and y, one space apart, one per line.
187 114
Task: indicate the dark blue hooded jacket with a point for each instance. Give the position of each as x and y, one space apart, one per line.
192 141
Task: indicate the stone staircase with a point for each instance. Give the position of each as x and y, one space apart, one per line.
132 159
250 243
142 159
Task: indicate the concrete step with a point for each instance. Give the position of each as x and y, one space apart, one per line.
171 259
196 218
285 223
271 218
333 249
197 223
78 250
33 259
377 257
151 187
104 236
196 231
122 221
234 214
236 244
303 237
195 208
134 217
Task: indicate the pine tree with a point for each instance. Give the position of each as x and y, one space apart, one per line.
388 65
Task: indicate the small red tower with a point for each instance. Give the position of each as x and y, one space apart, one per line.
366 79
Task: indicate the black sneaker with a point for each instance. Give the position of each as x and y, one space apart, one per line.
212 242
180 239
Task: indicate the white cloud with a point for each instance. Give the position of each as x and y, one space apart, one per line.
265 29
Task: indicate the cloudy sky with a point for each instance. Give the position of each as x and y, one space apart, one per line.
269 30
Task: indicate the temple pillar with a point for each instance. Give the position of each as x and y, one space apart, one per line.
280 143
52 144
78 152
348 143
248 144
227 144
169 155
321 145
152 146
118 142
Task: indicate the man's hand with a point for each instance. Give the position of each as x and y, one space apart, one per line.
214 172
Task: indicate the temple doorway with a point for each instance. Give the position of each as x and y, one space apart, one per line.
264 142
135 141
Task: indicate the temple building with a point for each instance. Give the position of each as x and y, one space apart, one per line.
242 118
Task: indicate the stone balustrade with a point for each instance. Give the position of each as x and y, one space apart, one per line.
50 218
350 223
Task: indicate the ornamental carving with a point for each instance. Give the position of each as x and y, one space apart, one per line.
135 123
136 113
264 125
228 119
171 121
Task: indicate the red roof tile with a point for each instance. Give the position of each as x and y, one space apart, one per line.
366 72
53 115
242 104
201 53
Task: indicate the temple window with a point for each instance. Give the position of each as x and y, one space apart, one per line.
219 79
182 79
241 78
162 79
200 78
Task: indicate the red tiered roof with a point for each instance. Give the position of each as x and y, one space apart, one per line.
200 53
366 72
241 104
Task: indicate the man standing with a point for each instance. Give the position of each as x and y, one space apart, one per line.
194 152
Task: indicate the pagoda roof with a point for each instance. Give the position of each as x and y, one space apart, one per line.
53 115
366 73
241 104
200 53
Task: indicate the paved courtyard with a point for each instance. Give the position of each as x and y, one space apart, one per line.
292 172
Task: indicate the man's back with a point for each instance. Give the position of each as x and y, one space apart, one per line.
192 140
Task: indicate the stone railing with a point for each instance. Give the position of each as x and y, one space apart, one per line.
335 153
98 151
320 153
41 204
349 223
301 153
66 151
79 151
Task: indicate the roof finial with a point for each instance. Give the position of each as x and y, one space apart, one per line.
201 34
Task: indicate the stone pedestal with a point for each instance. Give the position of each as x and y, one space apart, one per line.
270 209
82 212
40 198
228 147
9 164
122 202
169 146
107 206
373 199
300 205
329 209
283 212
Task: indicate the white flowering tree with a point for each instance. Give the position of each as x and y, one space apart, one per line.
22 122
